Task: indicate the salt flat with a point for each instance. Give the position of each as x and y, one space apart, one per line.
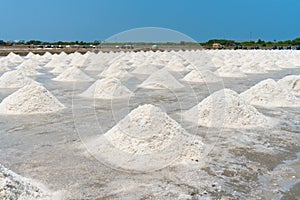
167 156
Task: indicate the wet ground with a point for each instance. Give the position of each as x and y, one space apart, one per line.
240 163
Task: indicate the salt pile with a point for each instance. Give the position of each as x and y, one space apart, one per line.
73 74
291 83
79 61
14 58
29 68
230 71
5 64
203 76
145 69
14 79
147 138
55 62
225 108
176 66
269 93
252 68
15 187
161 79
59 68
117 70
30 99
107 88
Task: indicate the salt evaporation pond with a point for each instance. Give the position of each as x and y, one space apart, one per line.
104 125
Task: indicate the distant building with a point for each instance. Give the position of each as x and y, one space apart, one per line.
217 46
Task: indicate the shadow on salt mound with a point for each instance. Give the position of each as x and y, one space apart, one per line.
107 88
14 186
30 99
14 79
291 83
146 139
268 93
161 79
225 108
230 71
201 76
73 74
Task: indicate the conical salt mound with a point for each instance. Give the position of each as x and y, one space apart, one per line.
268 93
252 68
230 71
61 67
145 69
31 99
161 79
203 76
107 88
176 66
14 186
29 68
79 60
14 57
14 79
225 108
146 139
54 62
291 83
73 74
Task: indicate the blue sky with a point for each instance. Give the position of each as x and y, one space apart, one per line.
89 20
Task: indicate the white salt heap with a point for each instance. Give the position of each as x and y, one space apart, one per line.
55 62
107 88
29 68
268 93
14 58
14 79
291 83
117 70
176 66
15 187
161 79
147 138
73 74
230 71
225 108
203 76
145 69
30 99
79 60
60 68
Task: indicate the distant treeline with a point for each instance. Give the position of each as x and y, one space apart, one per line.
259 42
223 42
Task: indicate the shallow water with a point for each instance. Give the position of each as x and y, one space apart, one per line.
239 164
